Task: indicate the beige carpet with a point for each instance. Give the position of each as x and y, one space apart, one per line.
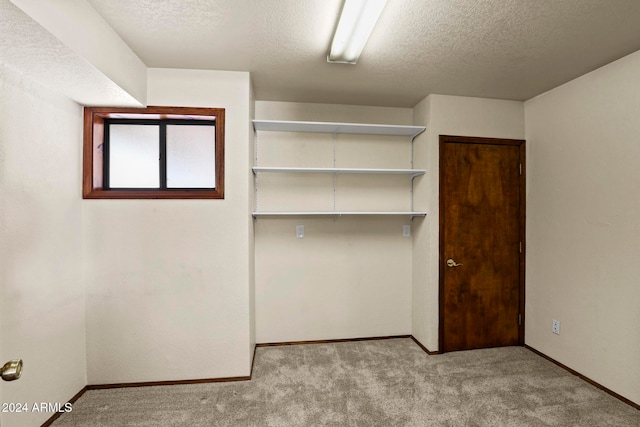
368 383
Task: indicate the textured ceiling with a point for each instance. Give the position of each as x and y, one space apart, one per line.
30 49
507 49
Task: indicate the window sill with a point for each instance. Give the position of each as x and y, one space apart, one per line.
153 194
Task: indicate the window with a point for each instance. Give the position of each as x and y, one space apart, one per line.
153 153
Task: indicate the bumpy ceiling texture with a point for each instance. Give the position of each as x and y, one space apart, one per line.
507 49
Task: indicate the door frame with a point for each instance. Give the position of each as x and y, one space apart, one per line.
444 139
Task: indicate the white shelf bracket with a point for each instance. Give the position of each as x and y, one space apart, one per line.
335 175
255 175
411 152
411 217
412 175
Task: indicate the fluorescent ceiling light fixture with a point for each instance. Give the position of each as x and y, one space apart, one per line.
356 23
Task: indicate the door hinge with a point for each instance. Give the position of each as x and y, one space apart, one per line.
519 319
520 168
520 247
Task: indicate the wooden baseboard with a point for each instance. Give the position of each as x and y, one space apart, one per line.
176 382
253 361
587 379
228 379
426 350
57 414
276 344
160 383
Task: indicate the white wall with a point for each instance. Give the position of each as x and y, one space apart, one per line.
583 225
252 242
349 277
169 281
446 115
41 293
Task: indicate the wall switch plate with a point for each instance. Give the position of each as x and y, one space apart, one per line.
406 231
299 231
555 327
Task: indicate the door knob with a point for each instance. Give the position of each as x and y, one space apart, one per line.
12 370
452 263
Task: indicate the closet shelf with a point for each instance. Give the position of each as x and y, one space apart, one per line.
329 127
337 213
407 132
412 172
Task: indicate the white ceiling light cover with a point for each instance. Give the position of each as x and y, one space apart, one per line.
356 23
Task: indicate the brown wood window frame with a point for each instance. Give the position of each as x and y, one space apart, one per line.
93 160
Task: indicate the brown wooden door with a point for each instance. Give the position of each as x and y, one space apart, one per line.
481 243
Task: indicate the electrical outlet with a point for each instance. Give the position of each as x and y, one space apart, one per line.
299 231
555 327
406 231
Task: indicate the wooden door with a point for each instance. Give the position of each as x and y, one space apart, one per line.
482 211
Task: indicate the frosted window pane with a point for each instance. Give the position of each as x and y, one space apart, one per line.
191 158
133 156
